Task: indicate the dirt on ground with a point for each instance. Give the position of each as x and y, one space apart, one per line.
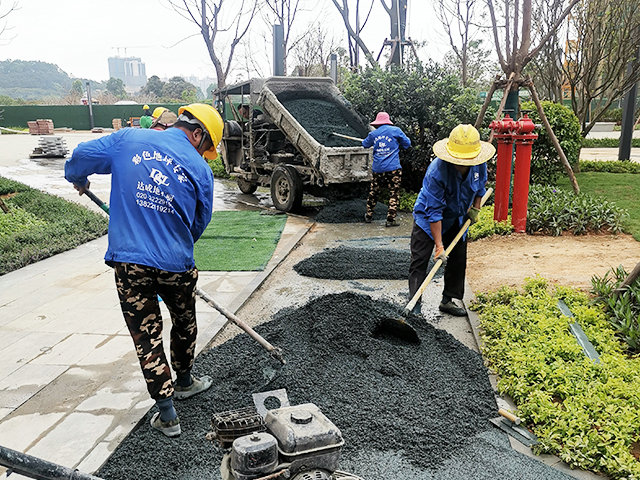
567 260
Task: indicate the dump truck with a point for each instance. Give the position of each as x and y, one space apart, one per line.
280 132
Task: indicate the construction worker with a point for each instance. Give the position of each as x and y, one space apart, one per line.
163 118
386 141
161 202
451 190
146 119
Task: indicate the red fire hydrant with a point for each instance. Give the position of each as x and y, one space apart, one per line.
503 133
524 143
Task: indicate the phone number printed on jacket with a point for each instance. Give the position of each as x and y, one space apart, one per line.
152 196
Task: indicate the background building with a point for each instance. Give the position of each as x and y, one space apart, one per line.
130 70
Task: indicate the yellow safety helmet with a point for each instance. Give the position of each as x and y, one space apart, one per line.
212 122
145 107
158 111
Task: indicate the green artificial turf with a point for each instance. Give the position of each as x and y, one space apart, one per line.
39 225
623 189
238 240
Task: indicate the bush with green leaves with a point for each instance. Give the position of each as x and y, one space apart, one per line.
546 166
614 166
552 211
51 225
607 142
487 226
425 100
218 168
586 413
623 308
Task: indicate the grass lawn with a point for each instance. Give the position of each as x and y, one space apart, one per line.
39 225
621 188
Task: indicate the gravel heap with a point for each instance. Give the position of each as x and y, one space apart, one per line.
321 118
416 404
349 263
349 211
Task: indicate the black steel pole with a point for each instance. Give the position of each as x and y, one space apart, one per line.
34 467
628 110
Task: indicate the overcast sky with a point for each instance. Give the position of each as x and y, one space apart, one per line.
80 35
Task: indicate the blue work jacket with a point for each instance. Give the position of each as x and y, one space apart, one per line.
161 194
386 141
445 196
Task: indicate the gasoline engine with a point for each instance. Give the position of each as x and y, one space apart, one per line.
289 442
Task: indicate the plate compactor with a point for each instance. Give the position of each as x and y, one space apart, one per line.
289 442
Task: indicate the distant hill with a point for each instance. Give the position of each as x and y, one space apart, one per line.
32 80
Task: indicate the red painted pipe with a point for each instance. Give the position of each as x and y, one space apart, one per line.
503 133
522 172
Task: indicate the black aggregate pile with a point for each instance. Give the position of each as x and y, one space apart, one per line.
349 263
350 211
419 403
321 118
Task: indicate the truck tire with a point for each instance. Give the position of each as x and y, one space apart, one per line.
246 186
286 188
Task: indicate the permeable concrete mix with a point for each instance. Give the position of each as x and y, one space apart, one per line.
405 410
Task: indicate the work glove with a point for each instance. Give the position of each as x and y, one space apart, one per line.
441 255
472 214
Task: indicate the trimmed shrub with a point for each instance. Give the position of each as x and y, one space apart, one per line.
607 142
614 166
486 226
546 166
218 168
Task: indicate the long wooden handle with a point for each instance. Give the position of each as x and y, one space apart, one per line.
447 251
347 137
274 351
509 416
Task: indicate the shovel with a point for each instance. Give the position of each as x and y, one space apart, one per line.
355 139
398 326
274 351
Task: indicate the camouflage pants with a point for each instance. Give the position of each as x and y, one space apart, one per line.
390 180
138 288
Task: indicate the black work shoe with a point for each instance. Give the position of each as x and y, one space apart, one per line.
391 223
452 309
367 218
171 428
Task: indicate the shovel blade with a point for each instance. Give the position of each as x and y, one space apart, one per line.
397 327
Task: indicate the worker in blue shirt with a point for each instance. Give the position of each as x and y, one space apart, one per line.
161 202
451 191
386 141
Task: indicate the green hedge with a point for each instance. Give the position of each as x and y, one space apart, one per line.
607 142
39 225
614 166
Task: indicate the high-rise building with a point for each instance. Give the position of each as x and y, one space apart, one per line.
130 70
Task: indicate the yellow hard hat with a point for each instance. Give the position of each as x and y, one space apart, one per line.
463 147
212 122
145 107
158 111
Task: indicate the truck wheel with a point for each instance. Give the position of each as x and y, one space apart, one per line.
246 187
286 188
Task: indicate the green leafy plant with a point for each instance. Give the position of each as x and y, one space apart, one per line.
552 211
586 413
487 226
18 220
218 168
614 166
545 163
622 308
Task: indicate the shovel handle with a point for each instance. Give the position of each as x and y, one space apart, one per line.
274 351
96 200
447 251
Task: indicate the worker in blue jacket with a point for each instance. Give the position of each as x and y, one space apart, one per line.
451 191
386 141
161 202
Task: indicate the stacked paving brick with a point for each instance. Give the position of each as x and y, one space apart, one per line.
41 127
50 147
